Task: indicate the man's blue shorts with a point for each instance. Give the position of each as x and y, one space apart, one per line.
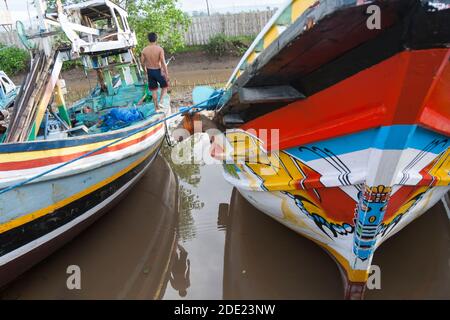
155 77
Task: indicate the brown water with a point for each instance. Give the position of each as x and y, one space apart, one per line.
184 233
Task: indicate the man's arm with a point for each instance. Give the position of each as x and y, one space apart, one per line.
164 65
143 62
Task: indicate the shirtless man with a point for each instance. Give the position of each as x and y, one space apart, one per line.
154 62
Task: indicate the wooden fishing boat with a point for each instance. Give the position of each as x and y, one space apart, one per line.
338 122
61 168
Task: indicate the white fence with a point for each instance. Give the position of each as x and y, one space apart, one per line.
10 39
202 28
240 24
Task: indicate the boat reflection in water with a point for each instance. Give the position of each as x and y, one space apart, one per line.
263 260
142 230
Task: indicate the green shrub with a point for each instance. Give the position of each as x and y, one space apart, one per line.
241 43
221 45
13 60
218 45
72 64
194 48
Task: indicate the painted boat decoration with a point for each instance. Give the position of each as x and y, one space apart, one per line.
61 168
339 127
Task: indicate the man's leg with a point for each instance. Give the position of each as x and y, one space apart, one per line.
163 94
164 86
155 99
153 87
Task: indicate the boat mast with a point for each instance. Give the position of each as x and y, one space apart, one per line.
41 7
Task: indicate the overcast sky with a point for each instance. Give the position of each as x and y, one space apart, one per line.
18 8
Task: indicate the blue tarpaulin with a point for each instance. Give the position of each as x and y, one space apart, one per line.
120 117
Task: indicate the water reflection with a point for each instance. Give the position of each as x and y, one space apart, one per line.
202 239
189 202
189 177
127 254
188 173
222 219
265 260
181 271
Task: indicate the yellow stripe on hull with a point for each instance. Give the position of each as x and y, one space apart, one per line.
270 36
42 212
36 155
299 7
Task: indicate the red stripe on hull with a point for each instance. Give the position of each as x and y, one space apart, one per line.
412 87
21 165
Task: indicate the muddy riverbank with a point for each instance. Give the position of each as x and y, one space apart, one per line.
187 70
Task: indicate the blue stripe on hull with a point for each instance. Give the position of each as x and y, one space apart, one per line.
406 136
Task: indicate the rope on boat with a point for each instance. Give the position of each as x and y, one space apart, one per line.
164 120
167 135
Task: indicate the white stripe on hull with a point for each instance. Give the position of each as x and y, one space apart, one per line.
90 163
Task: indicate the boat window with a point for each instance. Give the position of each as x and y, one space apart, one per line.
7 85
125 21
119 20
86 21
107 27
5 80
101 24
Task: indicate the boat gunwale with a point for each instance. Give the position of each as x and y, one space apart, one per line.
91 166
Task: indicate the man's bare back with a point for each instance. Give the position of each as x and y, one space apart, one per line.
154 61
153 55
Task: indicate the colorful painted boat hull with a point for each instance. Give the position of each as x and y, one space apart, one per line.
39 217
327 196
366 150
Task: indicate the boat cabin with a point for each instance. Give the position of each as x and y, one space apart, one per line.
94 26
